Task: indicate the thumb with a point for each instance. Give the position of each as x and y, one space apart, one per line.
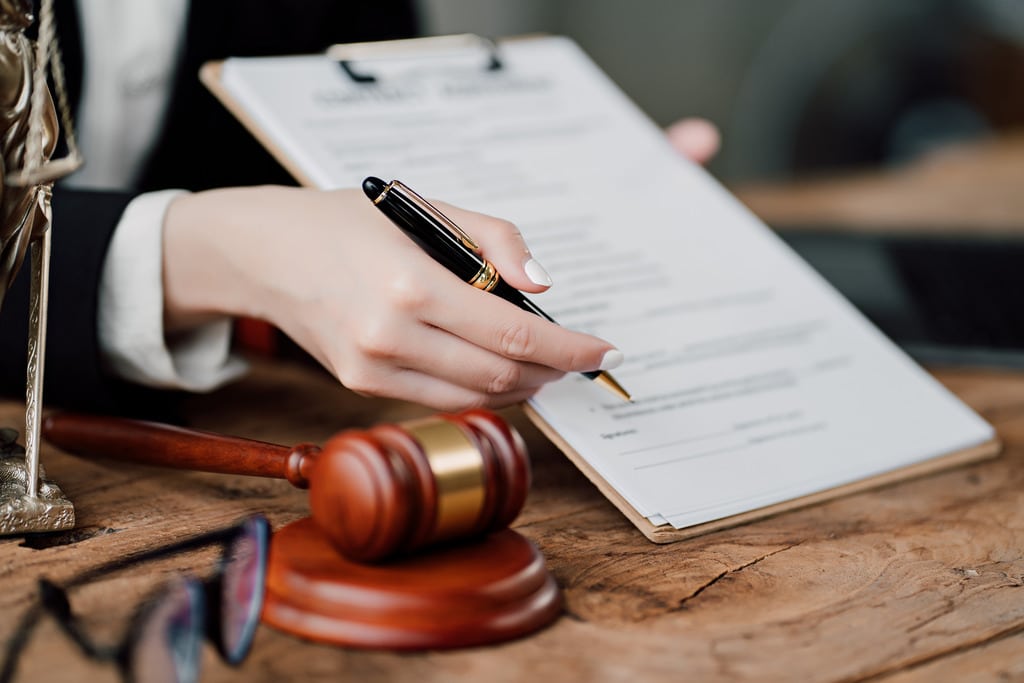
503 245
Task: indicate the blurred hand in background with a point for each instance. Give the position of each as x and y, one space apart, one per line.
696 139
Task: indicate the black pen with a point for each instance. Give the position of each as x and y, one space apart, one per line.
450 246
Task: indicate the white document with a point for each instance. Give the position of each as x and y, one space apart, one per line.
754 381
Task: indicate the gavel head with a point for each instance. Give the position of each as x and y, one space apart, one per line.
395 488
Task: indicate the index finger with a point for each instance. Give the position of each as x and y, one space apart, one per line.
492 323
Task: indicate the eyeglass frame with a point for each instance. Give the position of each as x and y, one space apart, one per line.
201 589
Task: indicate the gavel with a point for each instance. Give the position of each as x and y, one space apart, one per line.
377 493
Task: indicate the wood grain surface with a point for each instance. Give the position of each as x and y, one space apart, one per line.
971 187
910 582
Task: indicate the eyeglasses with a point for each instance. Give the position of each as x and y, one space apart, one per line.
164 643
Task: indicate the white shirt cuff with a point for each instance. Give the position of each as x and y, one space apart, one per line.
131 311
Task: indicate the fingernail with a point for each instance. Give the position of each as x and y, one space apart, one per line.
535 271
612 359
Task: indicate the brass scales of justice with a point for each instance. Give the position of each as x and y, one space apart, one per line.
28 137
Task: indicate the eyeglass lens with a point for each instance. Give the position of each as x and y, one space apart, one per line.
168 644
242 583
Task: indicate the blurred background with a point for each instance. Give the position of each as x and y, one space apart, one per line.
796 86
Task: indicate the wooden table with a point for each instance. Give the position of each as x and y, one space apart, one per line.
919 581
976 187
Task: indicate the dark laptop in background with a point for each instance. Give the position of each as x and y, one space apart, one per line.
946 300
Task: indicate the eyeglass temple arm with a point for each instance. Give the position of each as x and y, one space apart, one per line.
152 443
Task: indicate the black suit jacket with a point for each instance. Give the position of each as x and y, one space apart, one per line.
201 146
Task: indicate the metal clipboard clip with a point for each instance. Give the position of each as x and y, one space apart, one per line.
346 54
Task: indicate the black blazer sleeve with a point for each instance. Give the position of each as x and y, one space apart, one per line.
83 223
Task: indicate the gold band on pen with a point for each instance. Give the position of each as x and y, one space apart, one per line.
486 278
458 468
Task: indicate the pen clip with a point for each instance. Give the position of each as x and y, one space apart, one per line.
436 214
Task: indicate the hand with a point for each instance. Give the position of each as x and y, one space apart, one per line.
333 273
696 139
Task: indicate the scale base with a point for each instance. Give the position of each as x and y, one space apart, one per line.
19 512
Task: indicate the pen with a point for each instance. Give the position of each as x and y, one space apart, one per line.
450 246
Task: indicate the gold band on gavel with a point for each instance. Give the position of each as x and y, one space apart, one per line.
458 468
486 278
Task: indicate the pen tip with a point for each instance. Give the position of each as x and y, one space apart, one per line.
373 186
609 383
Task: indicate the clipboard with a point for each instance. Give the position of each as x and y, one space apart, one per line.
666 533
348 58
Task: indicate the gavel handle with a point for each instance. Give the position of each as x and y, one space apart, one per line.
153 443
